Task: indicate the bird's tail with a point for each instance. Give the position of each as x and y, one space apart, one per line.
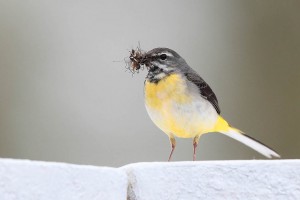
249 141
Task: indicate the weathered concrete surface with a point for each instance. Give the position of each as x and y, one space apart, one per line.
32 180
255 179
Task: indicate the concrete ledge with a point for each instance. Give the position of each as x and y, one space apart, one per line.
256 179
28 180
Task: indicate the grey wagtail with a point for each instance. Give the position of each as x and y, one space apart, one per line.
181 103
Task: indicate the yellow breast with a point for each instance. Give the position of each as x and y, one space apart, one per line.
173 108
172 87
161 101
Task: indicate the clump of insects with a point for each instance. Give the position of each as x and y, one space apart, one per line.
136 60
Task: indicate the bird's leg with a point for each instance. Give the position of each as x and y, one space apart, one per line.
195 144
173 144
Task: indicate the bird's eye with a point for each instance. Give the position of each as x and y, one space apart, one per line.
163 56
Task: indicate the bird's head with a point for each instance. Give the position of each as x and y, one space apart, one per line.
161 62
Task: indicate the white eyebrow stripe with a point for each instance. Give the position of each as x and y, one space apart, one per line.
167 53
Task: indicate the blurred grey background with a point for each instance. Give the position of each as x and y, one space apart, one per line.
64 98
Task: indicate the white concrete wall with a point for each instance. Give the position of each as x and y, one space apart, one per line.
28 180
255 179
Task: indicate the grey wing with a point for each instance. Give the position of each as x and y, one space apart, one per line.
204 89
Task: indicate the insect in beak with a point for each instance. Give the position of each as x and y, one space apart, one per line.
138 59
135 57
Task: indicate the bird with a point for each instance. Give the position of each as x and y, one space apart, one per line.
183 105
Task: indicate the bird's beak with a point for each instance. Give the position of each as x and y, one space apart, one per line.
146 61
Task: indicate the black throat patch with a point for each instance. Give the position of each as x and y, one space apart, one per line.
155 74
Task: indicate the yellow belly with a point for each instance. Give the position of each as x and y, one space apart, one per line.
175 111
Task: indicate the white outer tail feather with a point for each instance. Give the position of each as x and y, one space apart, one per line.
259 147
